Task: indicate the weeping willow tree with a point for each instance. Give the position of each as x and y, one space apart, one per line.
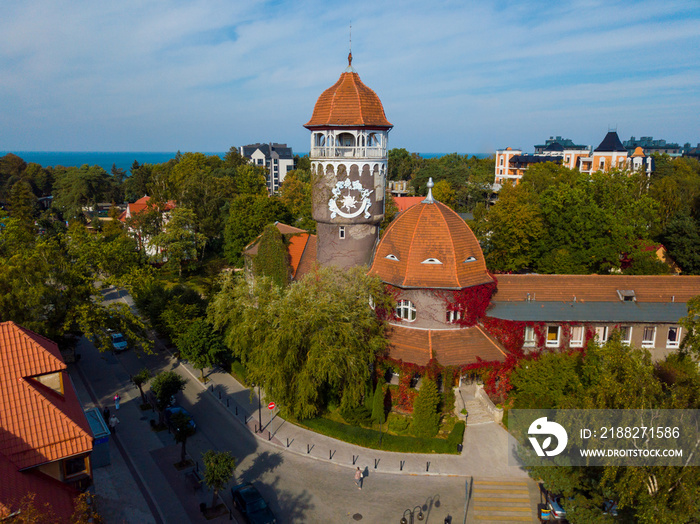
309 344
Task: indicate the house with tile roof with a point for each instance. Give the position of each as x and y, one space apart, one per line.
45 438
138 209
301 246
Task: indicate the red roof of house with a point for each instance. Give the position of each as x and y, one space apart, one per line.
430 246
349 103
596 288
37 424
140 205
403 203
451 347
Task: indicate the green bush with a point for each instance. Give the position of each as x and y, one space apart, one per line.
370 438
357 416
398 423
378 413
457 434
426 419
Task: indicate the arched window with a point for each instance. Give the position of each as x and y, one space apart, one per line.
320 139
453 316
405 310
345 140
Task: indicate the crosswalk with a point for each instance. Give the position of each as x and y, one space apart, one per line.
498 501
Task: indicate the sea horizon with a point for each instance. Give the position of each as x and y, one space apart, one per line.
125 159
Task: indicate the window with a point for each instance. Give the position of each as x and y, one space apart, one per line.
392 257
552 336
601 333
529 337
453 316
649 337
500 162
431 261
470 259
602 163
405 310
626 334
674 337
75 466
576 337
341 232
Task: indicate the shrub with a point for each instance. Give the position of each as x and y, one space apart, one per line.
378 413
457 434
426 420
357 416
398 423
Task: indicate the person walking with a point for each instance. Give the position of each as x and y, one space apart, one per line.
117 398
358 478
105 414
113 421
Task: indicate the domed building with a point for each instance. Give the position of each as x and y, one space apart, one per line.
433 263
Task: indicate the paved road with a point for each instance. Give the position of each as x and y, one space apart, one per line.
298 488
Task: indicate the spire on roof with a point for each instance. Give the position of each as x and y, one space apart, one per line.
350 69
429 199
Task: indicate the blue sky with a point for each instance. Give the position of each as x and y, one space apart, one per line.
460 76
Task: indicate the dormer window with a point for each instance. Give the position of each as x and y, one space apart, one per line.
431 261
392 257
470 259
626 295
52 380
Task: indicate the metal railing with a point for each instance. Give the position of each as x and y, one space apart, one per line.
348 152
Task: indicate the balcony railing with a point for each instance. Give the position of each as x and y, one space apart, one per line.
348 152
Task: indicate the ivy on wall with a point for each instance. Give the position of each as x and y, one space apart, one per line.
272 259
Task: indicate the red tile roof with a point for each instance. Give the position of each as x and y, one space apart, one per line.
38 424
140 205
430 231
596 288
403 203
349 103
451 347
302 248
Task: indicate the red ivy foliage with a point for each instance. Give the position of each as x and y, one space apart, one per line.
390 314
472 302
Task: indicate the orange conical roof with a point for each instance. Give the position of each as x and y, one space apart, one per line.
430 246
348 103
639 152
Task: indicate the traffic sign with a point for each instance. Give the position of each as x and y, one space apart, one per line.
271 405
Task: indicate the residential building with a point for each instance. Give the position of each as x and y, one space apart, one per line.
140 208
301 247
349 134
45 438
277 159
650 146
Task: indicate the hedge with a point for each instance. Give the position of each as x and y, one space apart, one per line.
369 438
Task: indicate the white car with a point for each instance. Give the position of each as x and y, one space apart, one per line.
118 342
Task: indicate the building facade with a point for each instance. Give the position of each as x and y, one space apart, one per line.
277 159
349 136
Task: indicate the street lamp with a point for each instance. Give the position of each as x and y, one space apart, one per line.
259 410
412 513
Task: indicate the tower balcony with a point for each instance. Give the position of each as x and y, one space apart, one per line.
348 152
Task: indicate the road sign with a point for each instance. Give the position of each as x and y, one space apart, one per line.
271 405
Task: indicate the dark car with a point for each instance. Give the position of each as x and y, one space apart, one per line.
169 412
249 501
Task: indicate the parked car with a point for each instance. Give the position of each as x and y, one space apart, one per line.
169 412
119 342
555 503
249 501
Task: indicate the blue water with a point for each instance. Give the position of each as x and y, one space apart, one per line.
123 160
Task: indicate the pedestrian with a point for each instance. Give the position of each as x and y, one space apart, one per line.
105 414
358 478
113 421
117 398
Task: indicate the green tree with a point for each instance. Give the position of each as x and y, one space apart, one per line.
691 326
141 378
308 344
182 429
295 194
682 239
378 412
22 203
164 385
201 345
401 164
248 216
218 471
426 419
136 184
272 258
179 239
78 189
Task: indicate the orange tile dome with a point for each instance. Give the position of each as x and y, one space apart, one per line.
430 246
348 103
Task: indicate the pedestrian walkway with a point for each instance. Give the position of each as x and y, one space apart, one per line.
498 501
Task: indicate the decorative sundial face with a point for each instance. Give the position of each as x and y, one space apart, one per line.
353 198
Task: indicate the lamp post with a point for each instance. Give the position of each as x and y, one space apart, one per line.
412 513
259 411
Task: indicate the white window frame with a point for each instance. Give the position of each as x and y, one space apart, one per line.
406 310
574 342
670 343
604 330
529 337
553 343
649 342
452 316
627 340
341 232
